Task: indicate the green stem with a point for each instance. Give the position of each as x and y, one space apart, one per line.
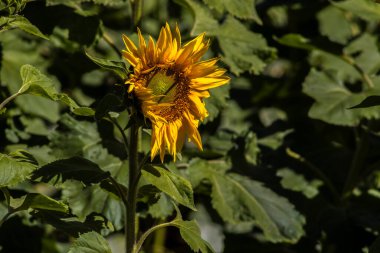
5 218
110 42
364 75
159 241
137 6
125 140
356 164
316 171
9 99
147 233
132 188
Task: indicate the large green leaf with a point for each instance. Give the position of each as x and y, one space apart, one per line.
240 200
234 39
334 24
177 187
15 168
239 52
366 9
90 242
333 99
190 232
242 9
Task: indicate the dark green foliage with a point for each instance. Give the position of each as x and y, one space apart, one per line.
291 159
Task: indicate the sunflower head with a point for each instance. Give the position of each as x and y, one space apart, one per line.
170 82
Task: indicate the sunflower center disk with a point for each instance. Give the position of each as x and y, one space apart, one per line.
163 87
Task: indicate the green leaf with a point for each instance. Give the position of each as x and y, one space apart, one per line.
217 101
38 201
22 23
190 232
97 198
17 52
240 200
77 168
239 52
297 41
251 148
368 102
365 52
90 242
177 187
162 209
274 141
35 83
334 24
234 39
333 99
71 224
108 103
243 9
71 138
203 21
366 9
118 67
295 182
15 168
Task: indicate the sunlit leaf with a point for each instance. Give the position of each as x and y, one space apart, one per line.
239 52
190 232
334 24
90 242
35 83
251 148
172 184
274 141
118 67
15 168
24 24
366 9
296 182
333 99
16 53
242 9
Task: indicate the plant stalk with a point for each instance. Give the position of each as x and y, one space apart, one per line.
356 164
9 99
132 189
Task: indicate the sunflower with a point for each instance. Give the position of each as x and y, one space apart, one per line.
171 81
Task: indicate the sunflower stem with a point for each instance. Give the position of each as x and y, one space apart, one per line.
132 191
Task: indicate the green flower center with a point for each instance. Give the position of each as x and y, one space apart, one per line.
163 86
